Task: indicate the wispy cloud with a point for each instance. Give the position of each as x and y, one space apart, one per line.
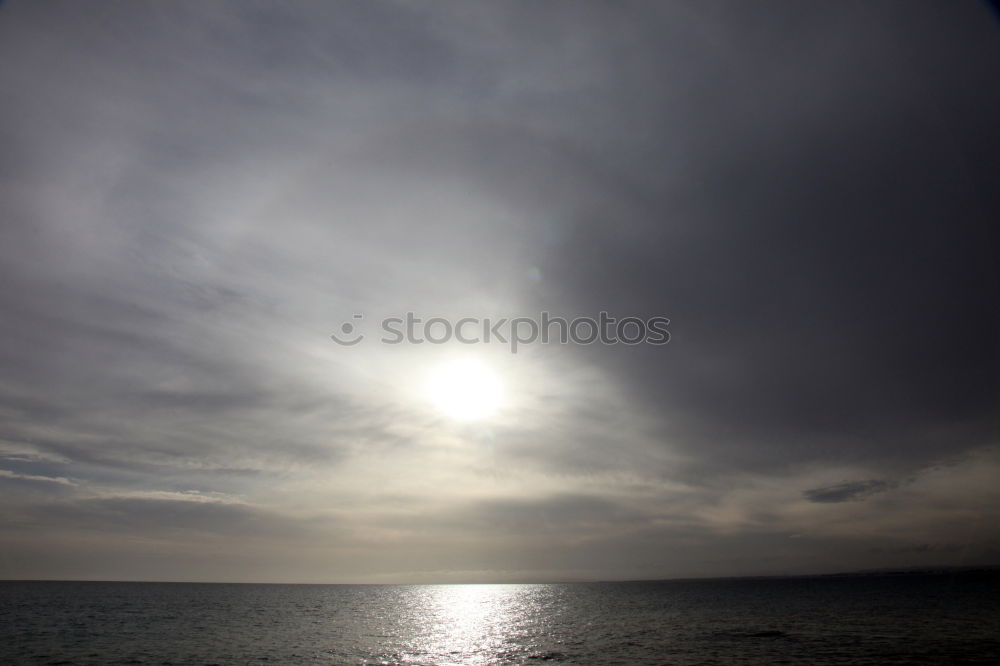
6 473
847 491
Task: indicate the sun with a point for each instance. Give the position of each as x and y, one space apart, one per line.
465 390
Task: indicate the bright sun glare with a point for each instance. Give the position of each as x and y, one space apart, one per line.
465 390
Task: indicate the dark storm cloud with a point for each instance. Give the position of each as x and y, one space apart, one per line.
846 492
828 254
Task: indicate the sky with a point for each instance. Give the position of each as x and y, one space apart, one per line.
195 196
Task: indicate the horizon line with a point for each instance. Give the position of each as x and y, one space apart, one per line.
943 569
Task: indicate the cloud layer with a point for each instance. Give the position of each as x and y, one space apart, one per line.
192 198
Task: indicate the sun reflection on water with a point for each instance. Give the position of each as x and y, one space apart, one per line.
474 624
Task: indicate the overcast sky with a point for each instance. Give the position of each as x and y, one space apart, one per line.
194 196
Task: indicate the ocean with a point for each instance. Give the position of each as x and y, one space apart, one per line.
943 618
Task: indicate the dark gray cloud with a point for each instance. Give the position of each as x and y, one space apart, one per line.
829 263
847 491
193 197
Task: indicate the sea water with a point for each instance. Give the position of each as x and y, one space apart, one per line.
950 618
